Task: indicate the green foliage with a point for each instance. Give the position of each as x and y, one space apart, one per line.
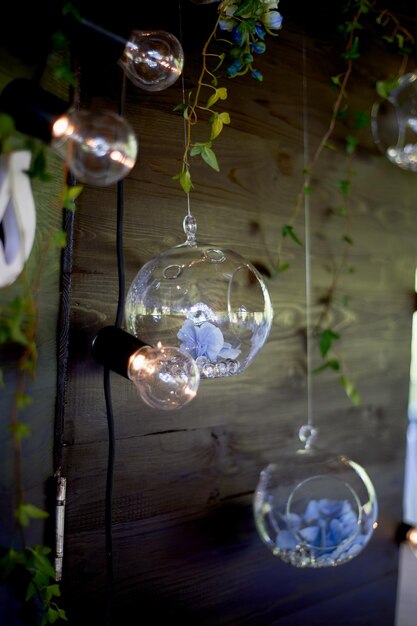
69 195
34 568
351 391
384 87
249 21
288 231
326 339
38 166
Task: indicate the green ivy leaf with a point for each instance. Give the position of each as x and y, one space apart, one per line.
209 157
353 52
25 512
326 339
344 186
69 196
351 392
179 107
288 231
22 400
362 120
351 144
384 87
282 267
38 166
332 364
7 126
219 94
347 239
19 430
185 180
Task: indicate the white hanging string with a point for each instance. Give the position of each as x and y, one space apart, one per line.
307 238
183 102
308 431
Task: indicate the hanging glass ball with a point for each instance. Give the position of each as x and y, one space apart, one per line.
100 148
394 123
208 301
313 509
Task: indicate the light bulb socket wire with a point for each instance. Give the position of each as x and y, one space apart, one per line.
112 347
33 109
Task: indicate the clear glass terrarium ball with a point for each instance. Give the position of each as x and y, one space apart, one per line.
315 509
208 301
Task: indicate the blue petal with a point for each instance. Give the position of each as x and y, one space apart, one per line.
227 352
187 332
330 507
311 512
310 533
336 532
211 338
286 540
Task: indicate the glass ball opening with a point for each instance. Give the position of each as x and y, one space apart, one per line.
315 510
209 302
99 148
165 377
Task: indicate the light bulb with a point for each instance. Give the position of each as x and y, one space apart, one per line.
166 377
99 148
411 539
153 60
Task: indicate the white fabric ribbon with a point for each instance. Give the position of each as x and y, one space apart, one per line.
17 215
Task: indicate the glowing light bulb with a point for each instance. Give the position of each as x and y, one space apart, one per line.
412 540
153 60
166 377
99 148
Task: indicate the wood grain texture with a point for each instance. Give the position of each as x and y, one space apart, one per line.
186 548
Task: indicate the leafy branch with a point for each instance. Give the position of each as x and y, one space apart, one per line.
248 21
19 321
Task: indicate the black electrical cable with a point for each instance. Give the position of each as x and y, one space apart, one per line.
107 388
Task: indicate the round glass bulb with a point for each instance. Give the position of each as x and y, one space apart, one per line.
315 510
166 377
153 60
207 301
99 148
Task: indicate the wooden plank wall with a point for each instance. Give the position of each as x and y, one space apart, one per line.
185 544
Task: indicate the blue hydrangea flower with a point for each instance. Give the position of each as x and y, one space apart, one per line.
205 340
329 527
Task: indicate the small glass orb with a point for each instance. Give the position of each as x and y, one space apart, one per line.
208 301
99 148
152 60
166 378
394 123
315 510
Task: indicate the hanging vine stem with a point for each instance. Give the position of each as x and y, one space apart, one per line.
325 335
398 33
191 118
248 21
20 321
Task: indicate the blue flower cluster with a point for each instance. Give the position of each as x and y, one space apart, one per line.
248 21
205 340
329 529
